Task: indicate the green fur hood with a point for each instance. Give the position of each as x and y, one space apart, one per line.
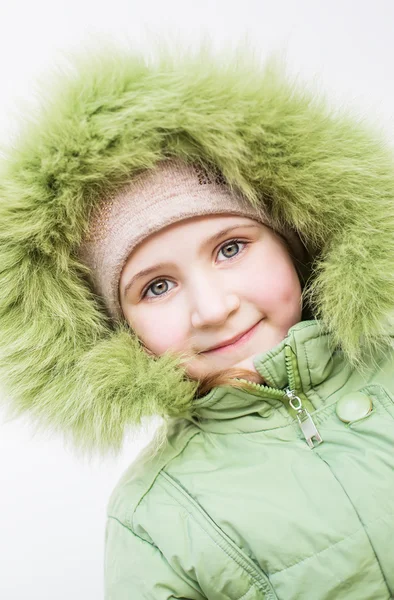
114 113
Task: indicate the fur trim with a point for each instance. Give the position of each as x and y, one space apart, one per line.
112 114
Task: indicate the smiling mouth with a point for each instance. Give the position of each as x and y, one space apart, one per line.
236 344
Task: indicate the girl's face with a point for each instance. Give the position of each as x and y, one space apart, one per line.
211 285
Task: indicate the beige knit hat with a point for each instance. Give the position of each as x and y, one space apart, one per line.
174 190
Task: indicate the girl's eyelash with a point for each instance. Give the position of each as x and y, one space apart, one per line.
227 243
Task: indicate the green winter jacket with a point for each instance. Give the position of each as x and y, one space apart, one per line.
238 505
242 500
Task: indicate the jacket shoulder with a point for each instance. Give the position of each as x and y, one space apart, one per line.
143 471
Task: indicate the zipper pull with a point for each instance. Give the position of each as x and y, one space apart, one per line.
305 420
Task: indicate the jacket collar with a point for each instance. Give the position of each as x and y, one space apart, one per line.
302 361
313 357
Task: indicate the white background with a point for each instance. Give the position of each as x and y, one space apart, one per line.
52 504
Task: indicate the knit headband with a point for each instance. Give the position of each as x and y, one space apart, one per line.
174 190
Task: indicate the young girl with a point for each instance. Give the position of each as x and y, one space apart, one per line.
203 241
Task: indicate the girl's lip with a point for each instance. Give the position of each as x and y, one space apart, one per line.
244 338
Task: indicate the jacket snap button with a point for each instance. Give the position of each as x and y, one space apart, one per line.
353 407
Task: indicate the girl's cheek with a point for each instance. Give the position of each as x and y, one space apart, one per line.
275 287
158 333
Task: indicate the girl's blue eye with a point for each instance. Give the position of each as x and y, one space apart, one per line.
159 282
230 244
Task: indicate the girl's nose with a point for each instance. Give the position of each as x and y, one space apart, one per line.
212 306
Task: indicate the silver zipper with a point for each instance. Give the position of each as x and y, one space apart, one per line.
305 420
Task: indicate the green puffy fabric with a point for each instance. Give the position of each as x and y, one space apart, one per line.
236 504
239 506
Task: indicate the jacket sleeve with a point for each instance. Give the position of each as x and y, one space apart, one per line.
134 569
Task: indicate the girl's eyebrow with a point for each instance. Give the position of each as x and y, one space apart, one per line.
163 265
